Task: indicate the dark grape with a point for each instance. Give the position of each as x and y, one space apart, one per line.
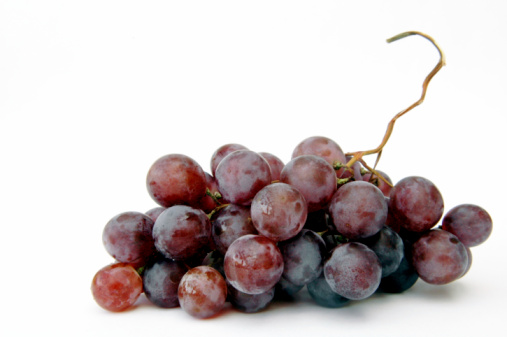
323 295
279 211
388 246
249 303
221 153
182 232
353 271
161 279
253 264
303 257
439 257
117 287
401 279
242 174
202 292
471 224
314 177
416 204
128 238
358 210
230 223
285 290
176 179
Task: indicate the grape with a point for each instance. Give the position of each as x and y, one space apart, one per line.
215 260
247 302
202 292
161 279
317 221
353 271
117 287
182 232
241 175
314 177
439 257
155 212
303 257
285 290
206 203
253 264
416 204
230 223
382 185
388 246
471 224
279 211
358 210
221 153
128 238
176 179
401 279
323 295
276 164
469 264
322 147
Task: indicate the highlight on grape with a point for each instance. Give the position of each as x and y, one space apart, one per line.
255 230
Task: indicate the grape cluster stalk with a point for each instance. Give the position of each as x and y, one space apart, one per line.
255 230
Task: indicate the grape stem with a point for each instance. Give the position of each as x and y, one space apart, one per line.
358 156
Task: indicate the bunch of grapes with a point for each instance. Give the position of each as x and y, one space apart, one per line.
256 230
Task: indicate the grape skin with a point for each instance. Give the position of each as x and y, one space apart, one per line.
353 271
221 153
202 292
161 279
416 204
389 247
116 287
323 295
182 232
358 210
253 264
303 257
471 224
230 223
249 303
439 257
314 177
279 211
401 279
155 212
275 163
323 147
242 174
176 179
128 238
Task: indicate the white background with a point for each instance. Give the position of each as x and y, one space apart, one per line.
93 92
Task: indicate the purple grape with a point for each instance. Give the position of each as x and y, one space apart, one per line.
323 295
155 212
128 238
314 177
221 153
230 223
242 174
322 147
275 163
176 179
253 264
439 257
401 279
372 178
471 224
358 210
279 211
303 257
249 303
202 292
416 204
117 287
285 290
353 271
182 232
388 246
161 279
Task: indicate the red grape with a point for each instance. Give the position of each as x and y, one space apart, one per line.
470 223
221 153
230 223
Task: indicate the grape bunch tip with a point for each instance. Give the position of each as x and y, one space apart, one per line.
255 230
